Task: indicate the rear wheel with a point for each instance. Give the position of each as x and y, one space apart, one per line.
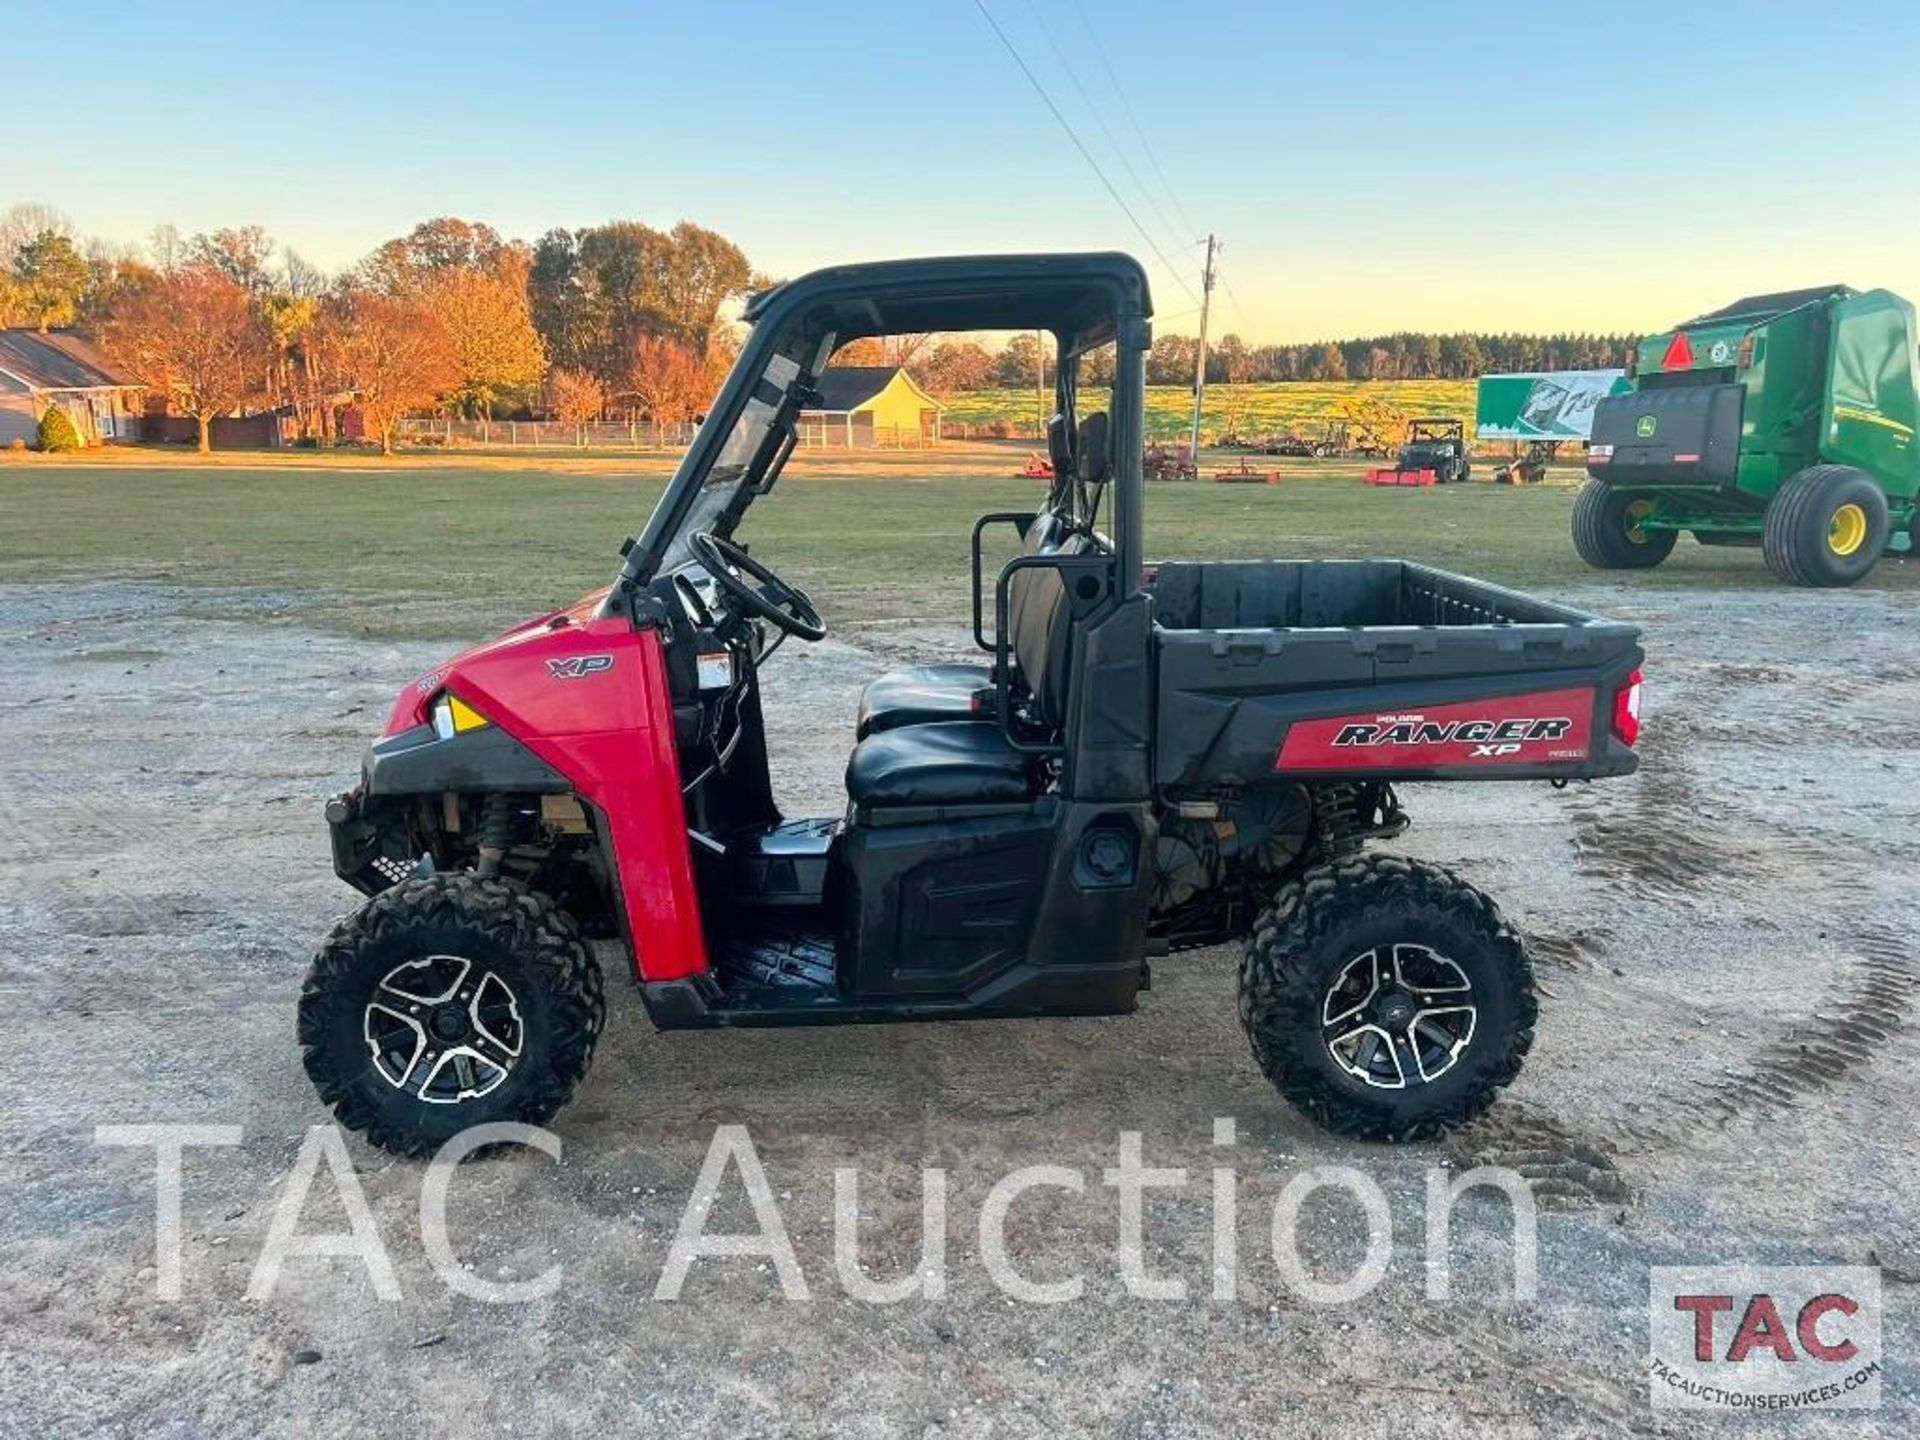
448 1002
1386 999
1610 531
1826 527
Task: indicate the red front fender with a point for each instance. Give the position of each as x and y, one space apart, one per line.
590 697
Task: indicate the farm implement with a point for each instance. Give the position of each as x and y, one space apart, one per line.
1529 467
1167 462
1331 441
1146 761
1244 474
1783 422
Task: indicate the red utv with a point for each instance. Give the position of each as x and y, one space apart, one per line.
1145 760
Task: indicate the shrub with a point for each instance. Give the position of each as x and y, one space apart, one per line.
16 444
57 430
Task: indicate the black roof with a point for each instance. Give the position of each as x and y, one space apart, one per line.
1076 294
1757 306
848 387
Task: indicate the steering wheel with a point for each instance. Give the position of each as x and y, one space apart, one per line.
773 599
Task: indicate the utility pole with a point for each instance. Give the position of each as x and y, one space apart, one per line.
1200 360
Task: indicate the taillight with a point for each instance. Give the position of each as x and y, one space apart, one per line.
1626 710
1633 360
1745 358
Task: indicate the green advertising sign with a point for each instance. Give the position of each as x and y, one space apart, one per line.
1548 405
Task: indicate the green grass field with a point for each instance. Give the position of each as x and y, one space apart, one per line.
431 548
1258 409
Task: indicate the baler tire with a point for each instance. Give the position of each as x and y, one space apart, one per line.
1603 537
1796 538
499 927
1310 937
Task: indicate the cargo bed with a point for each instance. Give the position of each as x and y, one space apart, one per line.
1379 669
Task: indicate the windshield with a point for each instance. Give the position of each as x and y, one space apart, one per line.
742 460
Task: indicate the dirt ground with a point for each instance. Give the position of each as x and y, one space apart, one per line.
1724 1046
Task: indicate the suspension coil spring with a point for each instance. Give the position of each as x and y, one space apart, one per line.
496 830
1338 825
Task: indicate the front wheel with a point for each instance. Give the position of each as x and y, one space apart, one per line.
1610 529
446 1002
1386 998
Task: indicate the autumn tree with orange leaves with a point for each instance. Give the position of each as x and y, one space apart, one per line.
668 380
574 396
476 284
494 341
392 353
196 335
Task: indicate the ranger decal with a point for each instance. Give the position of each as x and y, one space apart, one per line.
1546 727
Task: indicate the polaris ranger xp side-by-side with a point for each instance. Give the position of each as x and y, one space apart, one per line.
1784 422
1147 759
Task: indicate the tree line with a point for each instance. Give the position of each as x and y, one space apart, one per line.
962 365
618 319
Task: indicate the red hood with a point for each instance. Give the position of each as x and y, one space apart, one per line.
410 706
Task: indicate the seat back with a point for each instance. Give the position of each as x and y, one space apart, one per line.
1039 619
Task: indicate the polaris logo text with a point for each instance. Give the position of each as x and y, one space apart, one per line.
1490 738
579 667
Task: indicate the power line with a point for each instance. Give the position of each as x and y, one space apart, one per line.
1099 49
1073 74
1080 145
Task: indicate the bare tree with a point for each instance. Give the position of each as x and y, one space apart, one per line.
196 335
242 254
24 222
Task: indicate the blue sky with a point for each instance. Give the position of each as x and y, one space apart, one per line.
1577 164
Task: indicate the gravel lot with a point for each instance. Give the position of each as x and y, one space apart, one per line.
1725 941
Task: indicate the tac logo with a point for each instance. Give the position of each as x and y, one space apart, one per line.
1764 1338
579 667
1645 426
1721 352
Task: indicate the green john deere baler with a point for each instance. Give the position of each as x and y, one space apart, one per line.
1784 422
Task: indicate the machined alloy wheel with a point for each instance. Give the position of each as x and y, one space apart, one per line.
449 1001
1398 1015
442 1032
1386 998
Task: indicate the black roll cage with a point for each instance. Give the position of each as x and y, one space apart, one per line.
1083 300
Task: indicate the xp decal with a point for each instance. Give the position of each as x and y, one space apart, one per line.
1512 729
578 667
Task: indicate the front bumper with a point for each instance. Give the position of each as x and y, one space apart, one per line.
363 849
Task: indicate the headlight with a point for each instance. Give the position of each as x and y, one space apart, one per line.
453 716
